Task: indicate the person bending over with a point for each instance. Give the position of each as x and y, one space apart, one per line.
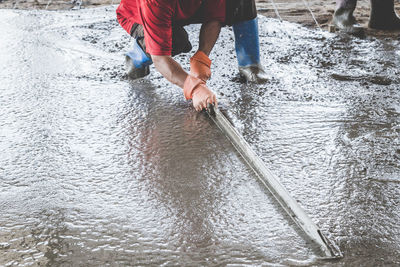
157 29
157 26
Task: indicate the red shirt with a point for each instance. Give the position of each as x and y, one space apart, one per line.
157 17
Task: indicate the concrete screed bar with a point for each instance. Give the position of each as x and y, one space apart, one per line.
290 205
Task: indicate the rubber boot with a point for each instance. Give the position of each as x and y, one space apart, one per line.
248 51
137 62
343 18
383 16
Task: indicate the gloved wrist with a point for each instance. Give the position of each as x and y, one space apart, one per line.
190 84
200 66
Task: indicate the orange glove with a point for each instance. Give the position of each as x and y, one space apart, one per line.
196 89
200 66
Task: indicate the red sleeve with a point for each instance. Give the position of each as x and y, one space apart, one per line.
156 16
215 10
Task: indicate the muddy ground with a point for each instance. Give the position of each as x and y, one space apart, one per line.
290 10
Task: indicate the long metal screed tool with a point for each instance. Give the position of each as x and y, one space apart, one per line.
297 213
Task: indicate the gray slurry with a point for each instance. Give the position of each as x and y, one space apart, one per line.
96 170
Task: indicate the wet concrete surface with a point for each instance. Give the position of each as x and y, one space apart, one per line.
97 170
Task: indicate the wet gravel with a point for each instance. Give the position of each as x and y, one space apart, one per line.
99 170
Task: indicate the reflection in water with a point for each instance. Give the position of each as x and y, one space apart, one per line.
171 141
95 170
181 160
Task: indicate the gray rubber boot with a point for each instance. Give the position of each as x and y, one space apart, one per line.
383 16
343 18
134 72
254 74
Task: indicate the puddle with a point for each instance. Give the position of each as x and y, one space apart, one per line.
97 170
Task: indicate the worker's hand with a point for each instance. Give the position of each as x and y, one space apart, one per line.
194 88
202 96
200 66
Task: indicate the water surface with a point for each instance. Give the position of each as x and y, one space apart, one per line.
98 170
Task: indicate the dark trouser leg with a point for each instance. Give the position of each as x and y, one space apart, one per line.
346 4
180 41
383 16
343 17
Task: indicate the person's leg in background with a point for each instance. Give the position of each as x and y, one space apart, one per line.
343 18
383 16
242 15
